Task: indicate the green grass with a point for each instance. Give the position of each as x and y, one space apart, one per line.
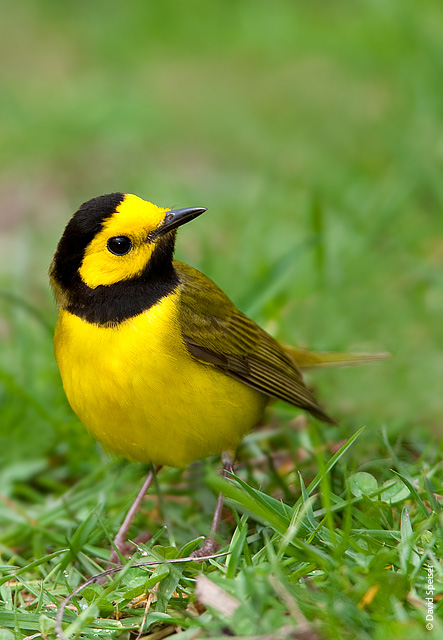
312 132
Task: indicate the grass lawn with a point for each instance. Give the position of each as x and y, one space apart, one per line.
313 133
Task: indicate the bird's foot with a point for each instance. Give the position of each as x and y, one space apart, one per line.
126 548
209 547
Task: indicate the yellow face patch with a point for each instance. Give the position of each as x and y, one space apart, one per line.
134 218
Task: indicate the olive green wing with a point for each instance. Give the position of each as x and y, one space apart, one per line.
215 332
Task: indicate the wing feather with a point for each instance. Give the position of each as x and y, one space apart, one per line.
216 333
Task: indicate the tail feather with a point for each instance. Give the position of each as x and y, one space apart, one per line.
306 359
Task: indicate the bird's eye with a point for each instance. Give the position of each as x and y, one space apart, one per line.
119 245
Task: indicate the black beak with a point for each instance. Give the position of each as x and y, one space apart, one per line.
175 218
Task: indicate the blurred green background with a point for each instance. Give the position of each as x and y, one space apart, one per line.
312 131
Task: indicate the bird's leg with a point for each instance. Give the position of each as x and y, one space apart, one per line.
210 545
122 535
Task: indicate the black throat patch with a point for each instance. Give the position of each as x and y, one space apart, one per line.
112 304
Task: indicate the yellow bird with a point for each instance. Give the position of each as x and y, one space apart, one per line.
156 361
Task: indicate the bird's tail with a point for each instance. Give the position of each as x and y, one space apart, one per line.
306 359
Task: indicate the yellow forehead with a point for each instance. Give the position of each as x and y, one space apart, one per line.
133 217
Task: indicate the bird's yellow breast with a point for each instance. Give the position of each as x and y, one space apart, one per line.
139 392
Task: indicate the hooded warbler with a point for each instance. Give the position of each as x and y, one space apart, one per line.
156 361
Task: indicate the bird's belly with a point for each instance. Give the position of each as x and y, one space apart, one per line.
138 391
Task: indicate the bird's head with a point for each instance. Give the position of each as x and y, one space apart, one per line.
114 238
